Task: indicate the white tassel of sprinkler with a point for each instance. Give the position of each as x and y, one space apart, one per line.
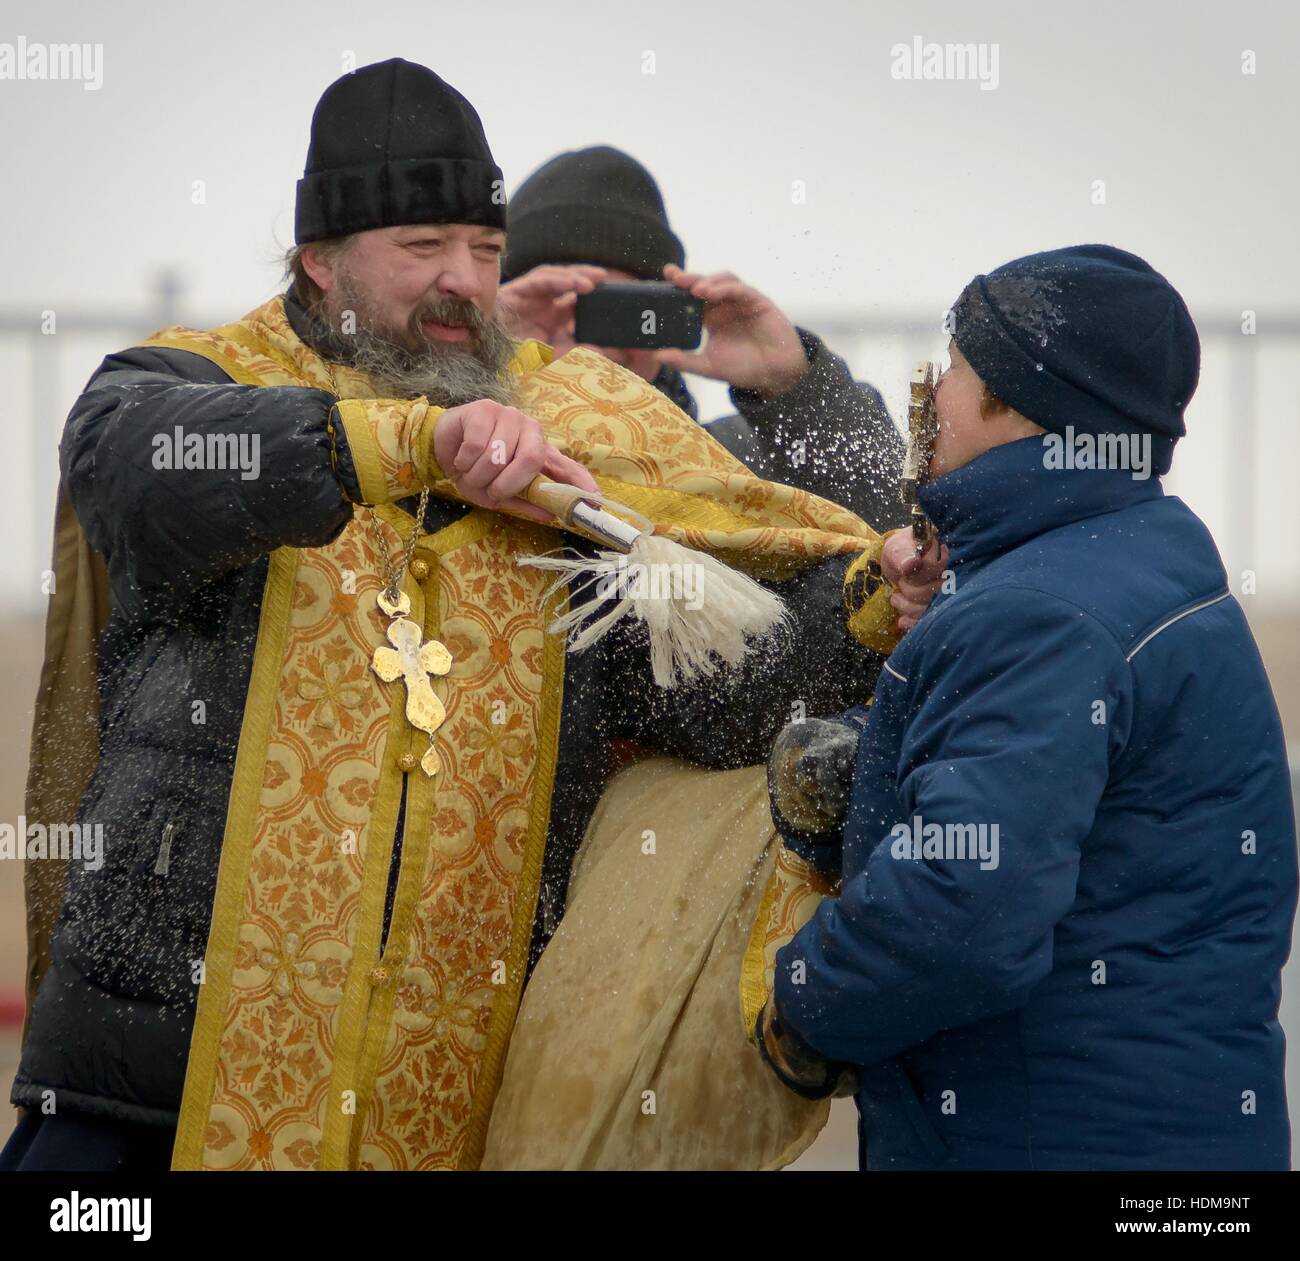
719 617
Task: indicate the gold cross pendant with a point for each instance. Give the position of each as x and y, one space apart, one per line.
413 661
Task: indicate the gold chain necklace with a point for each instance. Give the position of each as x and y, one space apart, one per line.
393 573
412 658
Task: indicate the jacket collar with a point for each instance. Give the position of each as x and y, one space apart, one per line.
1006 496
298 318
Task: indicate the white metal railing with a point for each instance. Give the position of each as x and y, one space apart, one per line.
880 345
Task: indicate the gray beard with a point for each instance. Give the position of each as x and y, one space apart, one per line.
447 376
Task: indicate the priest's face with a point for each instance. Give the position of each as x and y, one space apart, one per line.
411 273
413 306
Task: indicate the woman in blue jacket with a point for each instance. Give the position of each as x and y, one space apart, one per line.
1069 855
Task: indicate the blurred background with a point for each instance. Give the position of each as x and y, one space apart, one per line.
787 152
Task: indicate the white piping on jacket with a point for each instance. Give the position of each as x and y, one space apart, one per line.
1177 617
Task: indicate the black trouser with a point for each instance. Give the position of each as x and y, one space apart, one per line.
81 1143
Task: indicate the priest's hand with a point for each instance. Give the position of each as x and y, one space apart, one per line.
541 302
751 344
490 453
916 579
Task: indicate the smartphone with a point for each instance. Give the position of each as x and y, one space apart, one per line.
645 314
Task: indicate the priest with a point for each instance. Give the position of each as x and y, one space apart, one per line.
341 760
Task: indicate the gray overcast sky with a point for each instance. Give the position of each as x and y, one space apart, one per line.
912 187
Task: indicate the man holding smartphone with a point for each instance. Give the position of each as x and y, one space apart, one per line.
595 216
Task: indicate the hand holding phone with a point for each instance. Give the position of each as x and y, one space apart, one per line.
540 302
751 345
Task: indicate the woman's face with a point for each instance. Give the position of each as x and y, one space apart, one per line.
963 431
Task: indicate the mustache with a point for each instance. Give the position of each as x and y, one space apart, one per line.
453 312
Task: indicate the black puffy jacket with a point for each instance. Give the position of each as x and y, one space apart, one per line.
109 1030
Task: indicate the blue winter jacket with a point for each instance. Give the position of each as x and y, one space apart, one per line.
1095 983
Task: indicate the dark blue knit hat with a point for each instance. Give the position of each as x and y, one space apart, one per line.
1089 337
597 205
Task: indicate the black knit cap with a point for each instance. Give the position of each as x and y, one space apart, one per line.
593 205
393 144
1089 337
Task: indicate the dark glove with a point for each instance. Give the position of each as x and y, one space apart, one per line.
810 773
797 1065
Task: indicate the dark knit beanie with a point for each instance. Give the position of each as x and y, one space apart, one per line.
1089 337
393 144
591 206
